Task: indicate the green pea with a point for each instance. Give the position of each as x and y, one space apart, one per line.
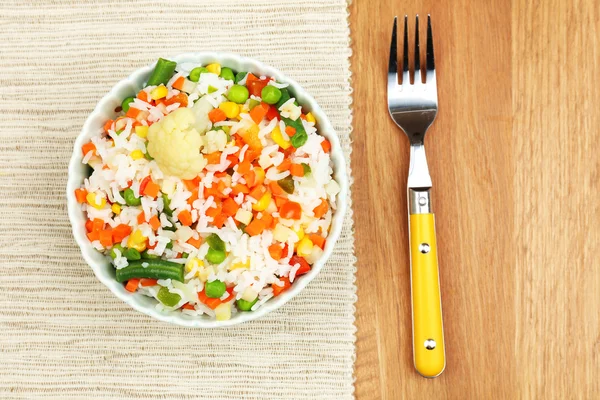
148 256
214 289
244 305
252 103
238 94
126 102
185 255
167 298
215 256
239 76
215 242
212 89
130 198
167 205
287 184
195 73
270 94
306 168
113 254
227 73
132 254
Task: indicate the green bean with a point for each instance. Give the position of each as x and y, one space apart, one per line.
215 256
130 198
306 168
285 96
126 102
287 184
185 255
148 256
214 289
163 71
270 94
113 254
148 157
167 298
215 242
238 94
131 254
167 205
239 76
156 269
300 137
170 245
244 305
227 73
195 73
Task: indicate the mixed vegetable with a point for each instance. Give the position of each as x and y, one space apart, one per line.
210 188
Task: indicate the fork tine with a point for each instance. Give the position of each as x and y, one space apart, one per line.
417 60
405 69
393 63
430 60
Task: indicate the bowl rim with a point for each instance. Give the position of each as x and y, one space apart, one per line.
77 218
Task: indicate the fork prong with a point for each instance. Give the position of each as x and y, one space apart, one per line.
405 68
417 60
393 62
430 60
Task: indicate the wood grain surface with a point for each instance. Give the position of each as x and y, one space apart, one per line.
514 157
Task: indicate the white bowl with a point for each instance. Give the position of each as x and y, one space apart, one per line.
77 173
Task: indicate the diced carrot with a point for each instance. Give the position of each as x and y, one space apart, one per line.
259 112
303 116
275 251
108 125
317 240
221 186
98 225
185 217
195 242
257 192
279 201
290 130
277 290
214 303
244 167
326 145
304 266
272 113
256 227
193 197
212 191
180 98
213 158
178 84
221 174
144 183
141 218
105 237
188 306
250 178
142 95
233 160
214 211
120 232
132 285
190 184
239 188
250 77
255 87
267 219
89 225
285 165
297 170
290 210
132 112
217 115
151 189
148 282
154 222
93 235
150 246
80 195
86 148
219 220
321 209
230 207
274 223
276 189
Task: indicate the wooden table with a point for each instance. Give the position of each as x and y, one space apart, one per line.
514 156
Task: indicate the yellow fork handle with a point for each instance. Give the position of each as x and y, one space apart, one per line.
428 335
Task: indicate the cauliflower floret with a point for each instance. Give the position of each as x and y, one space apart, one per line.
214 141
175 144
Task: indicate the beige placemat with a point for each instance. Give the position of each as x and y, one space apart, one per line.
63 335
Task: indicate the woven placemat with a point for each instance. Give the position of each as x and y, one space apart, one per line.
62 333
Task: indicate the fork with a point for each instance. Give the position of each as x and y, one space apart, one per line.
413 108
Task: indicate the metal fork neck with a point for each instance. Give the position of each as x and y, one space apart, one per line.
418 172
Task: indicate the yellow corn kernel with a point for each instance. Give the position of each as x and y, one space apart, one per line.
230 109
94 202
239 117
278 138
137 154
263 203
141 131
223 311
240 264
310 118
193 263
214 68
203 274
305 247
116 209
300 233
159 92
137 241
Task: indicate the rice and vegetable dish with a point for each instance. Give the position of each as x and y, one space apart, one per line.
211 191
